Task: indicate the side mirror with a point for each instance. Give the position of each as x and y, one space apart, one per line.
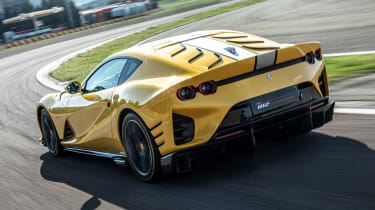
73 87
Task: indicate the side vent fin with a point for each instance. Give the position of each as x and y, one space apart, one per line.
230 36
179 51
245 41
68 133
215 62
260 48
197 56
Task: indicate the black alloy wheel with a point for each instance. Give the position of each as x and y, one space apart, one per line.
49 134
141 150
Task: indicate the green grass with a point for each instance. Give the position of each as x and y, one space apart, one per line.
174 5
340 68
80 66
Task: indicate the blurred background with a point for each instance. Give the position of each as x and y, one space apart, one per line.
22 19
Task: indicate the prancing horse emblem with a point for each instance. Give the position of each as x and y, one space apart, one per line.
231 50
269 76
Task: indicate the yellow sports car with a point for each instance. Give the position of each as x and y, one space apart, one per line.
154 105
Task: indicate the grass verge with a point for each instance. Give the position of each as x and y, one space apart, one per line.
341 68
80 66
175 5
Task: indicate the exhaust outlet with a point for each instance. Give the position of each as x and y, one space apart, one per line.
183 162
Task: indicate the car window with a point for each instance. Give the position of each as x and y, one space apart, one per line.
131 66
107 76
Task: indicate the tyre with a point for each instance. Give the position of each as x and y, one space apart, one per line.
142 154
50 136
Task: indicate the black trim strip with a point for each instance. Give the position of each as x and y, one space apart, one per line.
216 62
197 56
243 42
255 63
276 52
261 48
260 71
157 136
155 126
180 50
230 37
161 144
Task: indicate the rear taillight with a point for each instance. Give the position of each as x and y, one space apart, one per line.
318 54
207 88
310 58
186 93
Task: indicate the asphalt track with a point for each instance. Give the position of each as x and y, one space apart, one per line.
330 168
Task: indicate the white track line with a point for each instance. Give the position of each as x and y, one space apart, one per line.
355 111
349 53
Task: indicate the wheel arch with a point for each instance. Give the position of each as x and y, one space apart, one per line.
122 115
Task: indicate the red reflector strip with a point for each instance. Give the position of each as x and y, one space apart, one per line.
229 135
317 105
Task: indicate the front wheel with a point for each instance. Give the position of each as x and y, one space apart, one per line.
49 134
143 155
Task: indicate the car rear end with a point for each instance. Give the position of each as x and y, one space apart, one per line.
283 88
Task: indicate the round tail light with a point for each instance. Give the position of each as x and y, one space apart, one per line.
310 58
207 88
318 55
186 93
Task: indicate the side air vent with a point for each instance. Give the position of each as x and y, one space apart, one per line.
68 133
183 129
322 84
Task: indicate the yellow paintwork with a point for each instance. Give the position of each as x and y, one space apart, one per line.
151 92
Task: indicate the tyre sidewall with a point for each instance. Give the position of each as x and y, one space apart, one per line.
58 149
155 171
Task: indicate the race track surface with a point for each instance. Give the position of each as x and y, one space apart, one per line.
340 25
330 168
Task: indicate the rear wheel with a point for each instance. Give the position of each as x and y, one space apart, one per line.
49 134
143 155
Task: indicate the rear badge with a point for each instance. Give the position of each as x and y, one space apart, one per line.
262 105
269 76
231 50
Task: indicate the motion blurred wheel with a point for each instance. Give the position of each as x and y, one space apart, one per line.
143 155
49 134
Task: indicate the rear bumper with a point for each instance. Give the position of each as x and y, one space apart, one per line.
296 120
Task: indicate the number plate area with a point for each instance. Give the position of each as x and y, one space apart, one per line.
274 100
